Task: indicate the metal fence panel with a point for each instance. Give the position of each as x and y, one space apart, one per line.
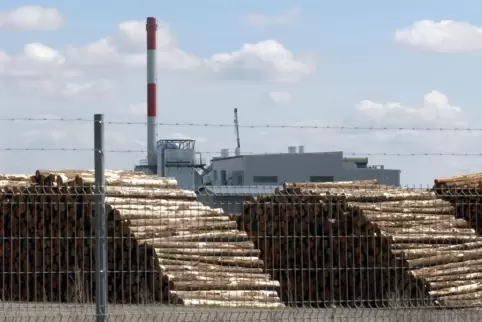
320 252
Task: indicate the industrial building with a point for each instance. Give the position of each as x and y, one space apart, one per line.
231 180
296 165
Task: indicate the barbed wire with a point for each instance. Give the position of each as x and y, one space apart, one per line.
323 127
38 119
257 126
47 149
408 154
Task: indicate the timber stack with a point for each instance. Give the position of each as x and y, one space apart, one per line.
365 244
163 245
465 193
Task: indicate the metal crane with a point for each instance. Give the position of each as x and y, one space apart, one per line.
237 151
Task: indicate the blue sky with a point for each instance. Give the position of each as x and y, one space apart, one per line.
352 53
354 38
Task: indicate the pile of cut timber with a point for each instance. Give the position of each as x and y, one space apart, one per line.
163 245
361 243
465 193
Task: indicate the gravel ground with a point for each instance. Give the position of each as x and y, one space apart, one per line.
51 312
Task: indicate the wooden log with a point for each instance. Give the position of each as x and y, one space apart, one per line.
125 203
468 267
223 295
16 177
246 304
218 252
192 226
242 261
224 285
407 210
149 182
381 194
407 246
174 265
431 250
166 215
453 278
448 284
411 204
160 243
431 231
338 184
430 223
441 180
179 275
462 300
439 258
150 193
370 216
429 238
9 183
211 236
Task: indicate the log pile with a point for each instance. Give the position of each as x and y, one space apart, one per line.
364 244
163 245
465 193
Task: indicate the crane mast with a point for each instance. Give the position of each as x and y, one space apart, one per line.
237 151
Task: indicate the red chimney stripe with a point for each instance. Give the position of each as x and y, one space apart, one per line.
151 100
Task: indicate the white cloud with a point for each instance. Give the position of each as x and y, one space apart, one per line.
279 19
127 48
267 59
97 88
4 58
281 98
71 69
31 17
445 36
436 110
41 53
36 61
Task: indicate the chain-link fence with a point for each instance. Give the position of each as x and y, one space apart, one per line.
80 245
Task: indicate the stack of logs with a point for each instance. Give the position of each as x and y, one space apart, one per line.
360 244
49 234
163 245
465 192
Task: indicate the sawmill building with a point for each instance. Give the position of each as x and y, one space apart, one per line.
230 180
295 166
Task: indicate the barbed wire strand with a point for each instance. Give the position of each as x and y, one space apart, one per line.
258 126
244 153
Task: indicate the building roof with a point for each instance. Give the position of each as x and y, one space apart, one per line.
274 154
238 190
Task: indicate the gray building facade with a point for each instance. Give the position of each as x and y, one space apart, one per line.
275 169
231 198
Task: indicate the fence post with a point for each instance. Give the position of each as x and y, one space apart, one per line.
100 222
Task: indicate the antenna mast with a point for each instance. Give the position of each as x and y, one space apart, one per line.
237 151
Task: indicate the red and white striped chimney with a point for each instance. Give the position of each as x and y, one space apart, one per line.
151 27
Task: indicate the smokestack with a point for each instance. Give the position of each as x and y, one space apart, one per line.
151 28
